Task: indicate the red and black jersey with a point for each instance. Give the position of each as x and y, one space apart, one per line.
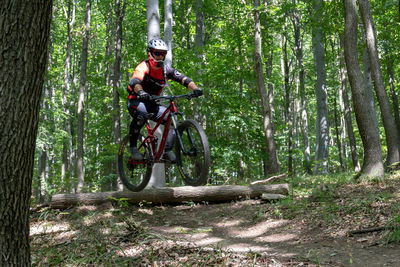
152 80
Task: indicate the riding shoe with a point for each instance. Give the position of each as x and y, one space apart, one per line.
169 155
136 155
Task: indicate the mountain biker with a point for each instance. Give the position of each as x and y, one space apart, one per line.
149 78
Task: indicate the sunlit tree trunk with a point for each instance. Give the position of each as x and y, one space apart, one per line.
168 22
322 129
262 92
81 99
23 55
372 164
153 31
392 136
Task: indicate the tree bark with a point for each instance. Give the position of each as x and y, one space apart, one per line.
273 162
23 55
81 99
322 135
119 13
168 21
153 31
171 195
372 164
392 136
347 114
298 47
393 94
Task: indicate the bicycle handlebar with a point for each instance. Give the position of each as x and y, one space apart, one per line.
173 97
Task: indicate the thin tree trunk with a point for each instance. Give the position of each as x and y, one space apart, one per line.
372 164
119 12
347 114
81 99
303 104
392 136
393 94
168 22
262 92
24 34
67 141
322 128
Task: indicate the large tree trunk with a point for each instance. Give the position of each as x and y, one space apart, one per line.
322 135
81 99
372 165
23 54
392 136
273 162
171 195
119 12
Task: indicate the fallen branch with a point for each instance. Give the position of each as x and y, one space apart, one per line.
367 230
270 179
171 195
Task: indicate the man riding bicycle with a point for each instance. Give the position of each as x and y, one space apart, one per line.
149 78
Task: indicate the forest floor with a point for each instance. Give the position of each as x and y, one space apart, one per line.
311 228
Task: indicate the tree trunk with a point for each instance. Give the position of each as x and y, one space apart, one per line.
171 195
153 31
119 13
392 136
286 89
298 47
372 164
273 162
23 54
81 99
168 21
393 94
347 114
322 128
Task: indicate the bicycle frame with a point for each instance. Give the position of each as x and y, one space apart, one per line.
151 137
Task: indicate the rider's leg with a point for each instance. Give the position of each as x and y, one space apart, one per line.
168 153
138 113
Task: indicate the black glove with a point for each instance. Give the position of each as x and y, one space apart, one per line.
142 95
197 92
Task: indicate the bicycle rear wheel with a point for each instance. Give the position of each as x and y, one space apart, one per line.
193 154
135 175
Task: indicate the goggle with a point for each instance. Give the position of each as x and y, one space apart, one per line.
160 53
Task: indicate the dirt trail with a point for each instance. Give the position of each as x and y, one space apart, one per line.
245 227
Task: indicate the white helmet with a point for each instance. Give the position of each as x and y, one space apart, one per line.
158 45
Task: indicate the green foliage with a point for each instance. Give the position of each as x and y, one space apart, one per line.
393 233
230 110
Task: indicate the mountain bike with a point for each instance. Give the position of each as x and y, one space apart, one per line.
191 149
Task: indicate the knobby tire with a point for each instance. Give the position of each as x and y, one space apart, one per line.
193 165
135 176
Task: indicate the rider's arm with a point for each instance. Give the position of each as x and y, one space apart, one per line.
137 77
180 78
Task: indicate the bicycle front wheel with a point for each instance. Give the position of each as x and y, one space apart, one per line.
135 175
193 153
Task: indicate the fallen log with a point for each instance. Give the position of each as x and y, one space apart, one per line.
170 195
